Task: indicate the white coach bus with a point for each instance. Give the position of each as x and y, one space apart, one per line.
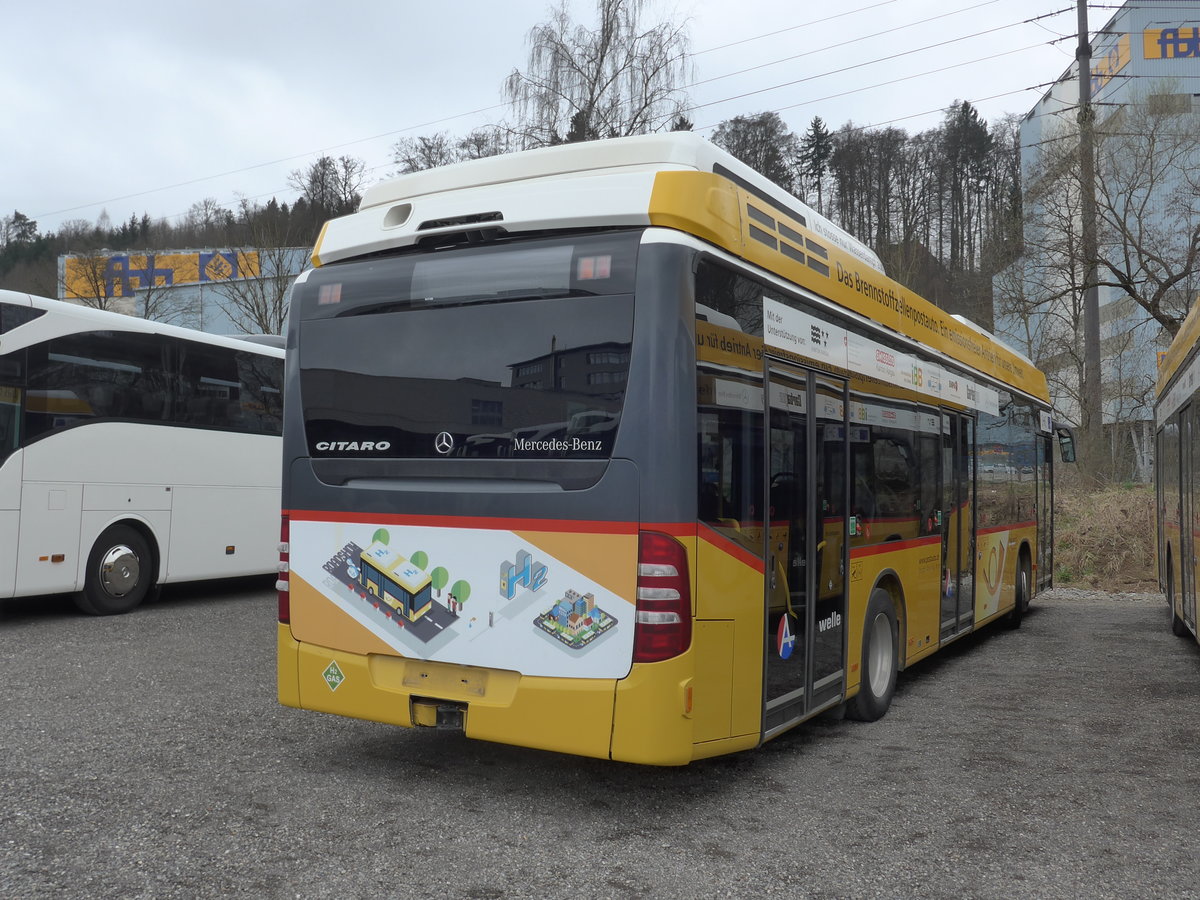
132 454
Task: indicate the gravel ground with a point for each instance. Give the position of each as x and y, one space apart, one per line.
145 756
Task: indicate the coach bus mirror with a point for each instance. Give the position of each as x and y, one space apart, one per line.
1066 445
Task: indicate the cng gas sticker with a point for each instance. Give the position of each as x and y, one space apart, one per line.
333 675
785 641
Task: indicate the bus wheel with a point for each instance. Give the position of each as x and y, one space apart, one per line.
1177 627
119 571
1021 599
879 660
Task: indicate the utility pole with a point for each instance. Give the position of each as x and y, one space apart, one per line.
1092 394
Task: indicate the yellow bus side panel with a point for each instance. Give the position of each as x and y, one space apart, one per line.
1180 349
650 722
996 558
915 567
920 574
693 202
700 203
287 656
709 749
711 685
730 589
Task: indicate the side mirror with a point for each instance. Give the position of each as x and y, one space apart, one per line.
1066 444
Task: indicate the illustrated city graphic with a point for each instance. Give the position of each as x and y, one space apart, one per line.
405 592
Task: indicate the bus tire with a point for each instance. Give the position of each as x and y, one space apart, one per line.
1020 595
120 571
880 660
1177 627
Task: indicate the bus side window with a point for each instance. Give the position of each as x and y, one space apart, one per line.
731 475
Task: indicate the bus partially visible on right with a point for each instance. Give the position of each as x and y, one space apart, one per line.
1177 474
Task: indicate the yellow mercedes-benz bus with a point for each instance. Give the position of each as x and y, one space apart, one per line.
1177 474
683 466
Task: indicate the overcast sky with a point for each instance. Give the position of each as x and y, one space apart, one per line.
135 108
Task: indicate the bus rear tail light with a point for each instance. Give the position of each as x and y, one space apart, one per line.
281 584
663 620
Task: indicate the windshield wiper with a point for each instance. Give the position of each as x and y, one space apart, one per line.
529 293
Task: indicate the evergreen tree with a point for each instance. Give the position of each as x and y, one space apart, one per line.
816 148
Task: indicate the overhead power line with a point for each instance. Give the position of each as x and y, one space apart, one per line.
869 87
440 121
866 37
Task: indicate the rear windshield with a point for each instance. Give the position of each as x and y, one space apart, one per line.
518 349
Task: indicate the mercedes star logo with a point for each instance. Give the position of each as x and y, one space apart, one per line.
443 443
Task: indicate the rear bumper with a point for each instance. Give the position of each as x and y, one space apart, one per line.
644 718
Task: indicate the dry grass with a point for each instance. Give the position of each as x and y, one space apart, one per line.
1104 537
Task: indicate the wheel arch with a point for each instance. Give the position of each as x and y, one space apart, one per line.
1169 582
1026 555
139 524
889 580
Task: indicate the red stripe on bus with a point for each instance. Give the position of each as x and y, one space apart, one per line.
1014 525
563 525
733 548
890 546
675 529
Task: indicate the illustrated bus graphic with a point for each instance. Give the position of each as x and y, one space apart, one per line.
386 574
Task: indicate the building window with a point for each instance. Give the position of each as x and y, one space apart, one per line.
608 358
606 378
487 412
1169 104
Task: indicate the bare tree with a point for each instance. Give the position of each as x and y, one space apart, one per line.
429 151
424 152
1148 205
764 143
257 301
614 80
484 142
207 222
159 299
334 186
1148 225
87 278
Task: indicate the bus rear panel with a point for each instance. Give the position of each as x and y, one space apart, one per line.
469 439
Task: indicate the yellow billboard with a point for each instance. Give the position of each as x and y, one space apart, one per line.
1171 43
1110 63
112 275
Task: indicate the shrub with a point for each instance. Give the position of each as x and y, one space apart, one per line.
1105 537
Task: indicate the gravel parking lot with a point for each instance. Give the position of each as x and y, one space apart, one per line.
145 756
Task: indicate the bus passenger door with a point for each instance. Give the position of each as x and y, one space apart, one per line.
958 524
806 545
10 480
1189 518
1045 495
